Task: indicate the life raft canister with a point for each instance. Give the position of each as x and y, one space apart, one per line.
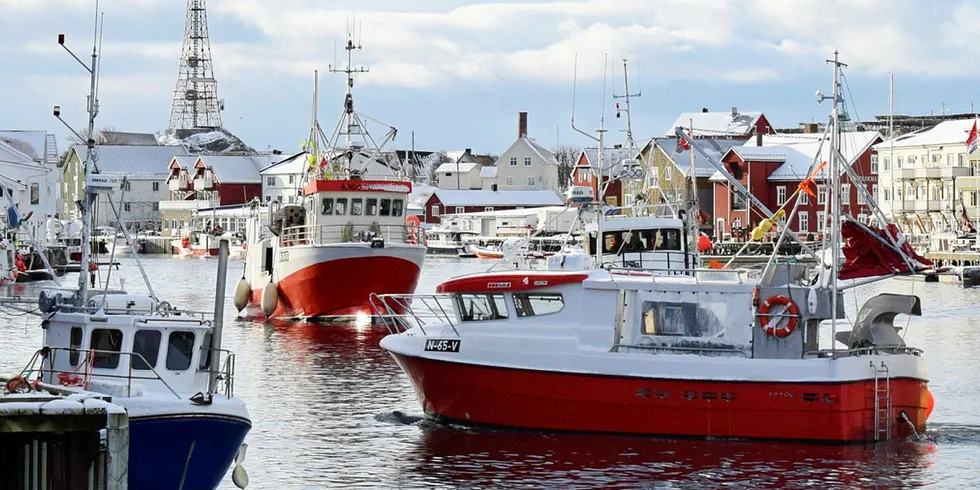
792 312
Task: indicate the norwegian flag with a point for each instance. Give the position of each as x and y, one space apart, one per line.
972 141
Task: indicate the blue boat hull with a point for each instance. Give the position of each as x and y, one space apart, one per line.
159 447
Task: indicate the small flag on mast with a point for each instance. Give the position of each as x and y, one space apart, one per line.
972 141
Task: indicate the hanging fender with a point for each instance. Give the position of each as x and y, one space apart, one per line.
792 311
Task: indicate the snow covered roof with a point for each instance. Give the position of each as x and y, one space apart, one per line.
147 162
715 124
488 172
238 169
543 153
10 154
498 198
715 147
29 142
452 167
184 161
611 159
945 133
292 164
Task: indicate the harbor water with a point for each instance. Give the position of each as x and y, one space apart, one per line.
330 409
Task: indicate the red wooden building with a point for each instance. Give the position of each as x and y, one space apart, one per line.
219 179
773 172
587 171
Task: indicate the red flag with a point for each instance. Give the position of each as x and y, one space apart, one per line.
866 256
683 144
972 140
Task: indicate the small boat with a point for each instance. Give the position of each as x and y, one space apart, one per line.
446 241
195 243
486 253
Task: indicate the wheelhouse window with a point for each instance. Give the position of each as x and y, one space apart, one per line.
385 207
340 206
372 207
74 343
205 352
397 207
180 349
662 318
650 240
356 207
327 207
146 349
107 343
537 304
481 307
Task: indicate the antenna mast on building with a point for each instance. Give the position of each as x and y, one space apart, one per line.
196 103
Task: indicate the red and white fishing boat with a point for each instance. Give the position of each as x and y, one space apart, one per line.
195 244
346 237
681 352
486 252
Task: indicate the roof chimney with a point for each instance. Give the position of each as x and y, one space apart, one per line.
734 111
521 124
704 109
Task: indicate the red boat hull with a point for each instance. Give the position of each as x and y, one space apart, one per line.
342 287
830 412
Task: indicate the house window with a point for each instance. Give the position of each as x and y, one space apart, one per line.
845 193
537 304
107 343
780 195
509 180
803 197
861 199
146 348
513 161
279 198
292 178
949 159
480 307
35 193
180 349
668 173
911 161
488 208
127 185
804 221
821 221
156 206
268 198
961 160
530 181
898 162
434 211
156 186
874 163
127 207
888 194
739 202
449 174
887 164
821 194
527 161
737 223
460 209
270 181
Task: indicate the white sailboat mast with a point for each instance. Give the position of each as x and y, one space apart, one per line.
834 194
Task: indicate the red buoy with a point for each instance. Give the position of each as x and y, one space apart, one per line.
704 243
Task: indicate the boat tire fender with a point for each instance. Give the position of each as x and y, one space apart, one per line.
792 311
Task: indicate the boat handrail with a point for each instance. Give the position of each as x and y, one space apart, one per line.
400 312
169 314
863 351
226 371
349 233
85 367
686 350
734 275
659 210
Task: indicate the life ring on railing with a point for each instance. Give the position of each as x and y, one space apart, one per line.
792 312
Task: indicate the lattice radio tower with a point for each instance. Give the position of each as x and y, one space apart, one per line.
196 103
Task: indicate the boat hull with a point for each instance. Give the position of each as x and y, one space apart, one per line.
163 448
192 251
790 410
338 281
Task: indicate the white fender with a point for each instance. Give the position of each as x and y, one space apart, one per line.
270 298
241 294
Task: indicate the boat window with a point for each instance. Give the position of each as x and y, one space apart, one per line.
385 207
537 304
341 207
146 343
615 242
74 344
327 208
480 307
372 207
661 318
356 207
397 205
180 350
206 352
107 343
664 239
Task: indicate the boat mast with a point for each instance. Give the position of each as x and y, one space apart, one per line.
891 144
600 189
835 190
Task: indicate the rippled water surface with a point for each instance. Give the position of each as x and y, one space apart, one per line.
330 409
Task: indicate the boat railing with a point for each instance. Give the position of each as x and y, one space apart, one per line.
349 233
226 370
863 351
641 210
701 351
676 261
82 375
736 276
400 312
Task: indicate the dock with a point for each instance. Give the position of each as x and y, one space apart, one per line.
51 437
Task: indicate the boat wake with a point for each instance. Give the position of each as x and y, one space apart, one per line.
399 418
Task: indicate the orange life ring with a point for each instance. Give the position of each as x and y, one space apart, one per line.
791 310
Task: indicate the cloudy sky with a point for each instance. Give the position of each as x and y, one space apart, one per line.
457 72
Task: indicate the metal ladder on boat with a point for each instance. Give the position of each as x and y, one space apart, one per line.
883 402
